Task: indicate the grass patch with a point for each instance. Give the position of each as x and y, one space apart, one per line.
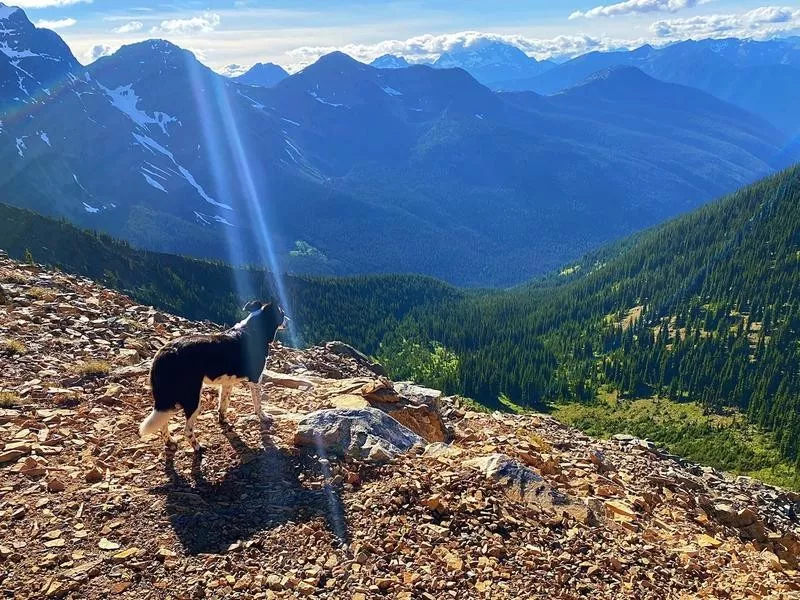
508 405
12 347
40 293
93 368
474 405
724 441
9 400
13 277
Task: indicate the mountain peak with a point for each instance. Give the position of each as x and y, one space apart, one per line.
6 11
338 58
390 61
491 61
262 74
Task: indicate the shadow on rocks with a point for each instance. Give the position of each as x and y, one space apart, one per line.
263 491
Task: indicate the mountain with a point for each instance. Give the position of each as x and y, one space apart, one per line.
428 169
492 61
390 61
409 477
262 74
760 77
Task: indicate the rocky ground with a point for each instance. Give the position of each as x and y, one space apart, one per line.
345 503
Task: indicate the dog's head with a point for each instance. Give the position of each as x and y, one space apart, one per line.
266 318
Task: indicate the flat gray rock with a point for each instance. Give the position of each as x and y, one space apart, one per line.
365 433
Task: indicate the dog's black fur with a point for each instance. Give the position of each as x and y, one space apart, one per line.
182 366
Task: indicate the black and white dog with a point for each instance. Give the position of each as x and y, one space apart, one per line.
182 366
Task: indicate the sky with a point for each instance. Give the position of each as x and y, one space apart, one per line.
229 35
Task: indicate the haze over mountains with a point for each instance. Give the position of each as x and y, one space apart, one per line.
348 168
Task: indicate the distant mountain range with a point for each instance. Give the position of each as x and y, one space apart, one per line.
760 77
347 168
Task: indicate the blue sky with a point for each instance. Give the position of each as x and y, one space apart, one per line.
294 33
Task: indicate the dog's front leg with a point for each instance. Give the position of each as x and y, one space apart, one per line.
222 404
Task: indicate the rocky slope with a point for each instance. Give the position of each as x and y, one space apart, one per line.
487 506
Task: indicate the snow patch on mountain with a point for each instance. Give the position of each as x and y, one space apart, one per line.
44 137
21 147
11 53
323 101
154 147
206 219
152 182
156 171
254 103
292 150
295 123
125 100
90 209
21 74
391 91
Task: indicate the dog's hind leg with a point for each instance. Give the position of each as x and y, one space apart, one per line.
189 430
255 392
223 402
165 435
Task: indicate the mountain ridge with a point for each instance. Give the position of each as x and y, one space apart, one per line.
457 175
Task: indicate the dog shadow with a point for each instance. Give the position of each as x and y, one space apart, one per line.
263 491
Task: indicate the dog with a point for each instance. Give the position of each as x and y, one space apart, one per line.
182 366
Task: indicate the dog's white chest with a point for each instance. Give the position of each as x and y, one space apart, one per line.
224 380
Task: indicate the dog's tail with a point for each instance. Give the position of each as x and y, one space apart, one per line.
155 422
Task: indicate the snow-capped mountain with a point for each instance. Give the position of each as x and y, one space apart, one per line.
262 74
32 60
390 61
414 169
492 61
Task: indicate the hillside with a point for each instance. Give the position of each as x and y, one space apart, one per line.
427 170
506 506
357 309
704 309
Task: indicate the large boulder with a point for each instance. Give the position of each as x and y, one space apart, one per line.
364 433
522 484
416 407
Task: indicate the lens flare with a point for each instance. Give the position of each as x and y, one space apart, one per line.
226 153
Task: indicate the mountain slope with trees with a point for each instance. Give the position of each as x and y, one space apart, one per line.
704 308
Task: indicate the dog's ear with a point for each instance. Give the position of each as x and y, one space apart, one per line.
252 306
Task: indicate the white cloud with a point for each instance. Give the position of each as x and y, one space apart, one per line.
232 70
129 27
427 48
759 23
57 24
98 51
203 23
46 3
630 7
